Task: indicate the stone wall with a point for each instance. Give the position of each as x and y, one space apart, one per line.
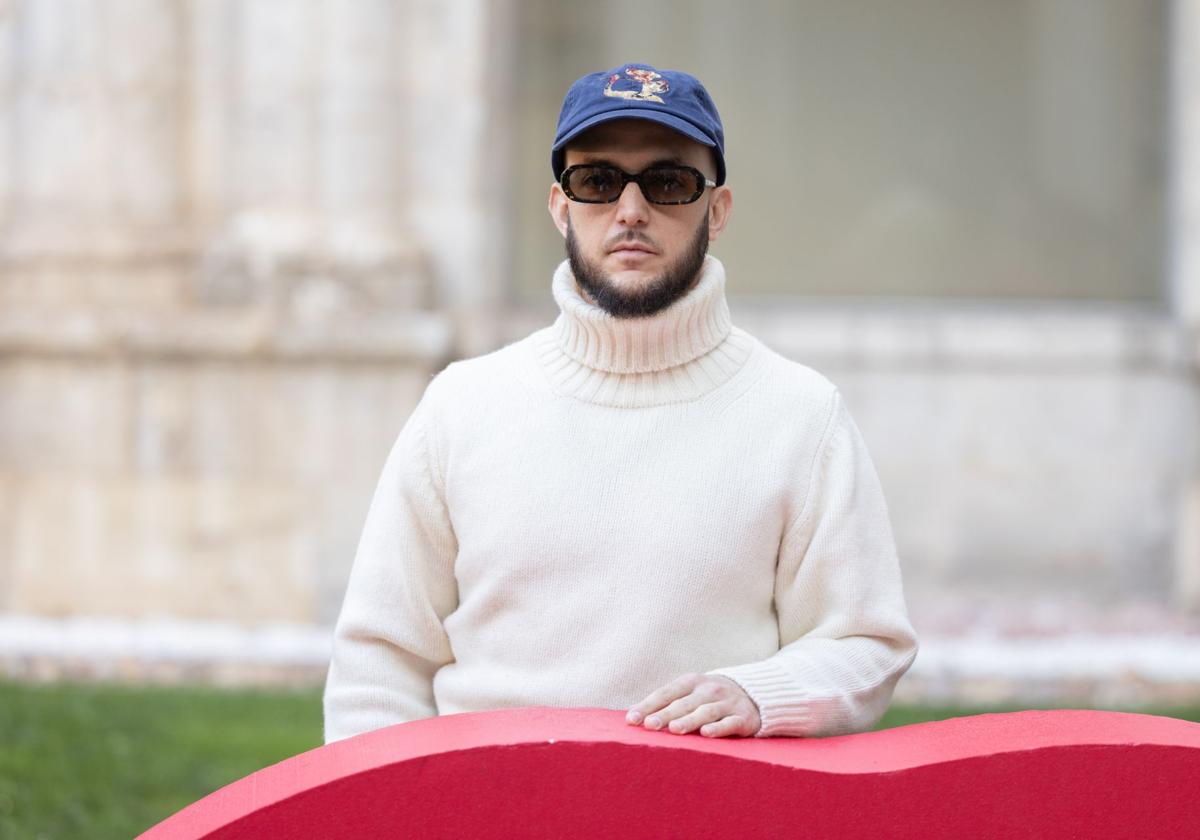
238 236
1185 272
1031 457
232 252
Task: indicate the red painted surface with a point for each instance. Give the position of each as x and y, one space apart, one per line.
585 773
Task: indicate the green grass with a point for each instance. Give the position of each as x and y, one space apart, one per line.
105 761
904 715
108 761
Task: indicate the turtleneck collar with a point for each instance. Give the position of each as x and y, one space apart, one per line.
676 355
687 329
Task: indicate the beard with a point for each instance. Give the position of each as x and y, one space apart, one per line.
655 296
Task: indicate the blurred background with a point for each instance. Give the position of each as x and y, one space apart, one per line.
237 237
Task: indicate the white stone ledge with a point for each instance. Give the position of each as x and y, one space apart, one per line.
1166 658
415 336
97 639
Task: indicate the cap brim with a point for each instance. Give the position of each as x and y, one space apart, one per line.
627 113
669 120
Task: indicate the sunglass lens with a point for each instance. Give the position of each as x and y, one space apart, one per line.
670 185
595 183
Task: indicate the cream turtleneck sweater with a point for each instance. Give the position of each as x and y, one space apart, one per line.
584 515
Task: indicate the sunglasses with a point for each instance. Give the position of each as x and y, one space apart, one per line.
598 183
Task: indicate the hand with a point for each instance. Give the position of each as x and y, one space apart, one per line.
715 705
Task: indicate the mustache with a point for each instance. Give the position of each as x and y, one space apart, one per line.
631 236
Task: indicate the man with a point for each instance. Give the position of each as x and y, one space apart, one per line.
640 507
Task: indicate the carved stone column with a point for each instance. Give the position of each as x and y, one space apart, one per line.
1185 180
93 229
94 205
1185 269
457 83
313 225
214 314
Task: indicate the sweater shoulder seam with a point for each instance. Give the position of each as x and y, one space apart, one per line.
805 513
430 451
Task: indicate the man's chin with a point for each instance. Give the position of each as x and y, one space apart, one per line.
631 279
636 286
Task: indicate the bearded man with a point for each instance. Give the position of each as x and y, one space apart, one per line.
640 507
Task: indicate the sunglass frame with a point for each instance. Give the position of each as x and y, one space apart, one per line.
701 181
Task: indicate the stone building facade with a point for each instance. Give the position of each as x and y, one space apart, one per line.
237 237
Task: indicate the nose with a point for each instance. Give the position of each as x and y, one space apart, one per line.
632 207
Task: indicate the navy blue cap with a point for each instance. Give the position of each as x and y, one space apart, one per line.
638 91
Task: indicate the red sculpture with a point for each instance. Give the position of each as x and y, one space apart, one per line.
544 772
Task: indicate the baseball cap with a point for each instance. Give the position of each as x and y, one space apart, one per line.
638 91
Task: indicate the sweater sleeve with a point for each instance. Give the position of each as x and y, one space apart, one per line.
845 638
389 640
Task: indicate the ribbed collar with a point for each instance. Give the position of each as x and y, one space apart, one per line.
686 330
677 355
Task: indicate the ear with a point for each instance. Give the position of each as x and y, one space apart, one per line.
559 206
720 208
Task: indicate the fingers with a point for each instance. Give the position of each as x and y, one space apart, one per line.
660 698
707 713
677 711
732 725
714 705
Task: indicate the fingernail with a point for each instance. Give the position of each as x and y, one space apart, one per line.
653 722
633 716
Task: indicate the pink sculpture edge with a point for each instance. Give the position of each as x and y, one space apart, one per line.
880 752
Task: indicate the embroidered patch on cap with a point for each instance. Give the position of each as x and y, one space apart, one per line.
636 91
652 83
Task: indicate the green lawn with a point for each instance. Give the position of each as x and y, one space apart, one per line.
105 761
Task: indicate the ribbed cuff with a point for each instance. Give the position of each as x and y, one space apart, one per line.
782 707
